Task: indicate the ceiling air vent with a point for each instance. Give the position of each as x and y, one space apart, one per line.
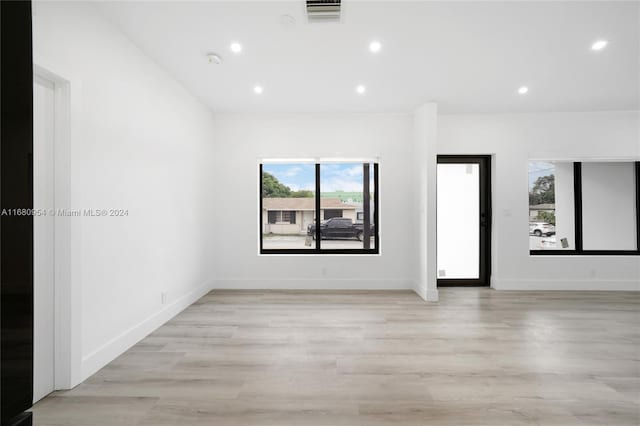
323 10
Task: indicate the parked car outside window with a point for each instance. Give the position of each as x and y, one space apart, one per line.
541 228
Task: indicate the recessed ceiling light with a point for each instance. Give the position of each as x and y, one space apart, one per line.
361 89
375 46
523 90
236 47
258 90
599 45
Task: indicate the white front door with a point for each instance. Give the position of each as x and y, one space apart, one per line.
43 233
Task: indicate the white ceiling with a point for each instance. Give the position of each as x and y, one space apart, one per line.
467 57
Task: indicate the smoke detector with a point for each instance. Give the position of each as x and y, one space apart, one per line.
214 58
287 21
323 10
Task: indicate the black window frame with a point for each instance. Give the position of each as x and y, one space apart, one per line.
318 241
577 201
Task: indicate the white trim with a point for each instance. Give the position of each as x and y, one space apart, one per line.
100 357
432 295
313 284
427 295
574 256
420 289
425 135
358 160
66 322
565 284
313 253
286 160
566 159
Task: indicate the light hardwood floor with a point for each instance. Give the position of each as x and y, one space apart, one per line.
478 357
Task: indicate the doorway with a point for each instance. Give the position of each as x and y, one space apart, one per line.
463 220
43 238
56 320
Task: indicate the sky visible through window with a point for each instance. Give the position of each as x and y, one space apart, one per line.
538 169
335 176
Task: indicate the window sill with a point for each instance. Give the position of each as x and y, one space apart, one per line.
583 253
320 254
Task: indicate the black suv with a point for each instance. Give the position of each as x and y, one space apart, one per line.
338 228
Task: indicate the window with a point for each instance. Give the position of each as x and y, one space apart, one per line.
329 213
584 208
289 217
551 206
273 216
279 216
346 188
287 205
324 207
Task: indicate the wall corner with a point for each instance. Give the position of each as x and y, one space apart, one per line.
425 134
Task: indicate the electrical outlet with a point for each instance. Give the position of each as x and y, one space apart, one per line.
163 297
324 271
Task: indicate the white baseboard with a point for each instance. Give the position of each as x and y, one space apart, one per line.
427 295
432 295
97 359
420 289
313 284
567 285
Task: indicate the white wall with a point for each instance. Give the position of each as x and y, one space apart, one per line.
407 147
513 140
424 162
242 139
609 206
139 142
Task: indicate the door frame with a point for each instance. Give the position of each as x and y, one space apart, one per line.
484 209
66 347
44 279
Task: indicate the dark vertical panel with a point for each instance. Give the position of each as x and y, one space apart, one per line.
376 223
577 204
16 240
486 217
317 215
484 210
638 206
260 213
366 205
